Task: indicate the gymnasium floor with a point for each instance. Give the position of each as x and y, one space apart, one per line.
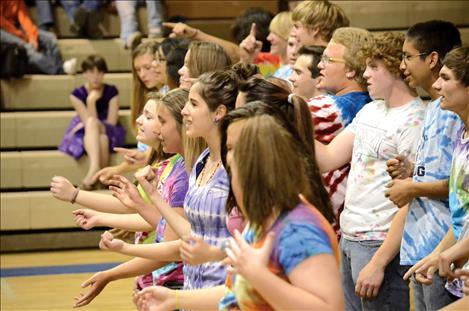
50 280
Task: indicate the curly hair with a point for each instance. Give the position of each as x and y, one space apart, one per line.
386 47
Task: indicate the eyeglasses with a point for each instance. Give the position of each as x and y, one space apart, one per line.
407 57
326 60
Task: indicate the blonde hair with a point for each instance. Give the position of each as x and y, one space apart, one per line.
354 39
281 25
138 88
386 47
322 14
206 56
174 101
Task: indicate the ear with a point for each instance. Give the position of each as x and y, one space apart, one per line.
434 60
314 32
220 112
350 74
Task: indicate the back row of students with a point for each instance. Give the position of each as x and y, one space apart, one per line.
352 162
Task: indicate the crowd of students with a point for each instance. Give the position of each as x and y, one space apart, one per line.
327 185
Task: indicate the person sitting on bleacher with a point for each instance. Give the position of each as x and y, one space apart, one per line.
41 46
96 128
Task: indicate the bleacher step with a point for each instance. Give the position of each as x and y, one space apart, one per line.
45 129
52 91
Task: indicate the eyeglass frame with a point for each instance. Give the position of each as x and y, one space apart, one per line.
406 57
327 60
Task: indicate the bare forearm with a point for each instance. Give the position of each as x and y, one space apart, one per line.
134 267
150 213
392 244
132 222
102 202
230 48
178 223
91 108
201 299
165 251
448 241
435 189
285 296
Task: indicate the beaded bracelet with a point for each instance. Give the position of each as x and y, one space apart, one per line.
75 194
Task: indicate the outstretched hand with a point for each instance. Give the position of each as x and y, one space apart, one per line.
126 192
96 283
86 218
109 243
61 188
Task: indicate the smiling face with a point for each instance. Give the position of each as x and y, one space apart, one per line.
454 95
94 78
378 78
185 81
303 83
416 69
198 118
278 45
145 72
333 74
168 131
148 125
232 135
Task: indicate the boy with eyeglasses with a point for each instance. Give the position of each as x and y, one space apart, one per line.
428 217
340 75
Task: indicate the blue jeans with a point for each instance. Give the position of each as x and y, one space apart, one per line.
71 6
47 60
44 14
431 297
128 17
394 291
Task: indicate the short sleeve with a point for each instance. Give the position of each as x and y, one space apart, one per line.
299 241
80 93
111 92
179 189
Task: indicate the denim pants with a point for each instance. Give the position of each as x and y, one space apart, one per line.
394 291
44 14
431 297
128 17
47 60
71 6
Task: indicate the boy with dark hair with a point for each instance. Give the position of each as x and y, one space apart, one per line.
428 218
305 75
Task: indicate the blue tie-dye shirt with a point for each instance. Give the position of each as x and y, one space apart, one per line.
428 220
459 184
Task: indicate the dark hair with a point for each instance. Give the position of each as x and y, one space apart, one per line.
218 88
94 61
434 36
457 61
319 196
293 106
174 50
244 71
242 26
315 51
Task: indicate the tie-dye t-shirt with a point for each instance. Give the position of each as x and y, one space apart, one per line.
459 184
381 133
331 114
205 209
428 220
299 234
174 192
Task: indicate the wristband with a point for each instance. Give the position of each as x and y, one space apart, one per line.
176 304
75 194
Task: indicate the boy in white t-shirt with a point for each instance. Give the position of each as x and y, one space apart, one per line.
371 224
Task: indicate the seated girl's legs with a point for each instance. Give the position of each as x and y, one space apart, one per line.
104 150
93 130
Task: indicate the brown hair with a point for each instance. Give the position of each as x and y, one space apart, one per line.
315 51
174 101
457 61
386 47
205 57
270 170
319 196
322 14
353 39
218 88
138 88
94 61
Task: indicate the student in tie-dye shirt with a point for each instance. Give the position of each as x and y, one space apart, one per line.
453 86
426 192
370 223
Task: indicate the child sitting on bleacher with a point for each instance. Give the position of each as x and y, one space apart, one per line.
95 129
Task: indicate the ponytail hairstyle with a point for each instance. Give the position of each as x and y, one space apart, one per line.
174 101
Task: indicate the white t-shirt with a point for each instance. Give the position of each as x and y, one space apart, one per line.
381 133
